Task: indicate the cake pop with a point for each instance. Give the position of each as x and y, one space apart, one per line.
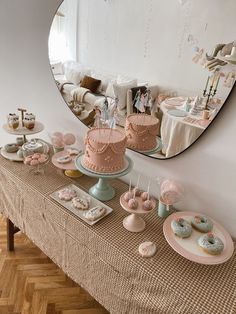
147 205
128 196
133 203
137 191
144 196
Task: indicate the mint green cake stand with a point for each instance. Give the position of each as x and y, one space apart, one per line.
102 190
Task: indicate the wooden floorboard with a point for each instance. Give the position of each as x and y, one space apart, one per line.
30 283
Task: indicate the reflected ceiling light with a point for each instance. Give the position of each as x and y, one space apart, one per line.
60 14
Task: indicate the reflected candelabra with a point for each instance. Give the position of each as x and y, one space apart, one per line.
212 90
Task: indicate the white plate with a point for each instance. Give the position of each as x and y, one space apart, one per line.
11 156
174 101
189 248
80 213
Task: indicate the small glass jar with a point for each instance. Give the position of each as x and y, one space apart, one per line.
35 146
29 121
36 154
13 121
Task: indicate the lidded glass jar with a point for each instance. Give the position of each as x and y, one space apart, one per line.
35 146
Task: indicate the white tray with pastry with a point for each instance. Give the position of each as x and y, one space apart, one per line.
81 204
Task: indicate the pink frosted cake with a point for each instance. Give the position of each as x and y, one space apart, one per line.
141 131
105 150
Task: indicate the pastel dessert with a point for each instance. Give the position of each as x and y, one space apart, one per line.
133 203
145 196
35 159
141 131
211 244
73 151
202 224
147 249
66 194
181 228
29 121
64 159
95 213
13 121
80 203
128 196
148 205
137 191
105 150
11 148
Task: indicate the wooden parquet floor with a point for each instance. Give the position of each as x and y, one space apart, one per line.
30 283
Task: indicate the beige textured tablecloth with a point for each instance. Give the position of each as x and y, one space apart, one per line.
104 259
177 134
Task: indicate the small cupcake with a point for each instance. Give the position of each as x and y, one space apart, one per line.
13 121
29 121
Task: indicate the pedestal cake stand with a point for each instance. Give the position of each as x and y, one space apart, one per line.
21 131
39 127
102 190
69 168
155 150
135 223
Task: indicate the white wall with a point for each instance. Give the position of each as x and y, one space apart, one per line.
154 40
207 170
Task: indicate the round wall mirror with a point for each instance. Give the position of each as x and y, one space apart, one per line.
160 71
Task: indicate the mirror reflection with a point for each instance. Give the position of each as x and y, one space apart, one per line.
159 71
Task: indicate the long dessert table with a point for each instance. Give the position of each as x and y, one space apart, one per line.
104 258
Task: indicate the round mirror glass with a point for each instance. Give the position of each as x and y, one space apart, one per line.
160 71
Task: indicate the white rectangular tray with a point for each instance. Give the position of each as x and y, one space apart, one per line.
80 213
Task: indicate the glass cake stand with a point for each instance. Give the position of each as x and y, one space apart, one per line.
102 190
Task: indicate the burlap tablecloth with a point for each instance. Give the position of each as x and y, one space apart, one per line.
104 258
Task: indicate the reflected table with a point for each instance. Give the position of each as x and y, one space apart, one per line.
178 132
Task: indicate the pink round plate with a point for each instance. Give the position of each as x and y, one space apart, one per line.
189 248
67 166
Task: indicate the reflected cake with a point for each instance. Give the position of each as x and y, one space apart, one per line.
141 132
105 150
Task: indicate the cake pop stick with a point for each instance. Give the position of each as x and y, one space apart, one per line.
138 181
149 189
130 185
